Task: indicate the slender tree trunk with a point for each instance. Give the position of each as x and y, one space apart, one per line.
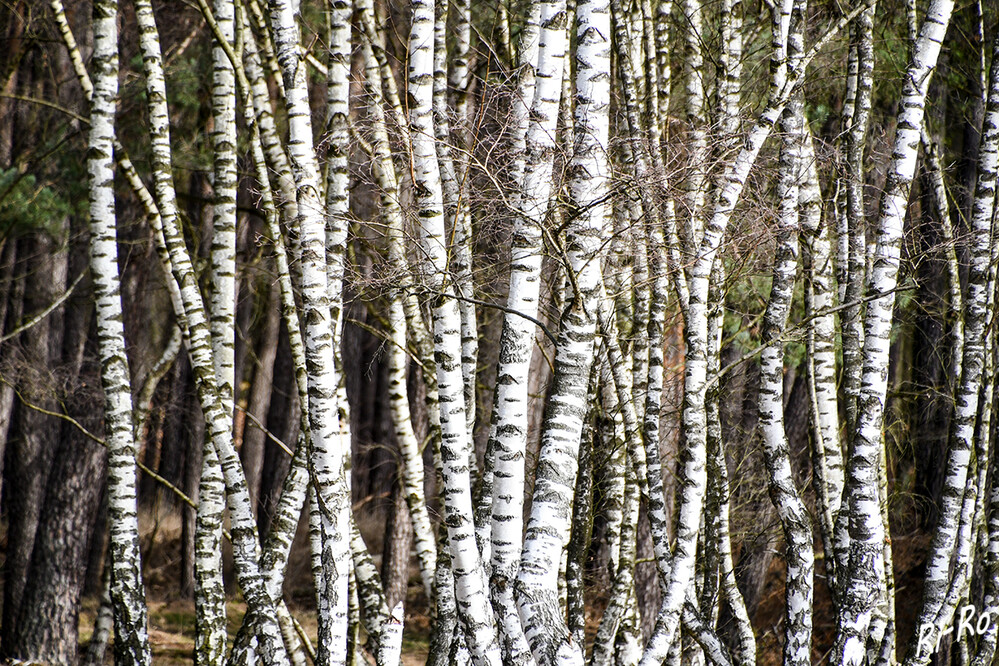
510 413
193 438
470 584
551 507
963 425
254 438
12 309
127 592
783 489
327 454
865 574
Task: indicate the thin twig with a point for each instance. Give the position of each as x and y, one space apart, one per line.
52 105
796 329
46 312
271 436
302 634
509 310
100 440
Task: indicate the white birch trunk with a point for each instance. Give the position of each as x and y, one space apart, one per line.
862 72
577 552
621 601
194 321
957 485
865 574
277 158
990 528
384 626
412 471
256 14
986 529
337 141
827 452
127 592
729 82
327 454
511 413
209 588
548 525
211 636
692 477
456 446
697 141
454 172
523 98
223 246
783 489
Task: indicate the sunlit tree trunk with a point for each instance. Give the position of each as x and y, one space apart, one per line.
189 307
547 527
783 488
864 577
326 460
210 595
456 445
127 593
954 510
692 470
412 460
511 415
861 73
827 452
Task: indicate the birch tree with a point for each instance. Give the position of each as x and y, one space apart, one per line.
865 572
127 593
936 611
783 490
619 244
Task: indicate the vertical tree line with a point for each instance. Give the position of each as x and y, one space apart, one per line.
611 308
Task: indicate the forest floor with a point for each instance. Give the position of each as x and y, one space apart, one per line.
171 631
909 554
172 618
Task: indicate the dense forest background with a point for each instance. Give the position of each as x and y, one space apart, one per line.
54 507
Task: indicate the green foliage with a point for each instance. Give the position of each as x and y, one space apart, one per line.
27 205
819 114
891 55
189 87
745 300
795 348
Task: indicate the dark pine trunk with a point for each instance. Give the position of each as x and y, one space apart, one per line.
34 437
254 439
283 421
